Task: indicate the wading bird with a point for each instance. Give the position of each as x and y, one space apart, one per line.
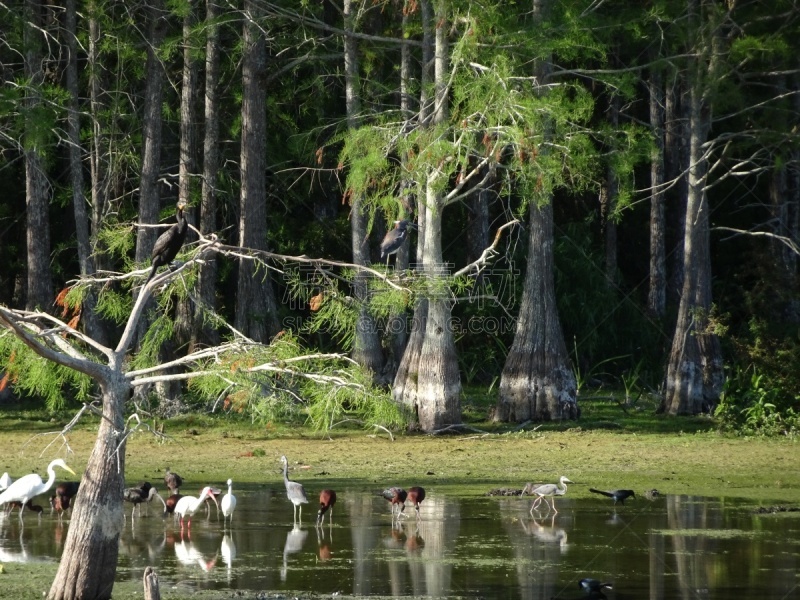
593 587
396 497
294 491
33 507
415 496
188 505
169 243
228 503
30 486
173 481
170 503
139 495
549 490
327 498
65 492
5 481
394 238
616 495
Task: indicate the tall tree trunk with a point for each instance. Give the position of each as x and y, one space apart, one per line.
439 381
88 564
404 388
91 322
256 309
677 165
367 349
97 170
537 381
207 284
149 197
656 293
695 372
40 284
438 392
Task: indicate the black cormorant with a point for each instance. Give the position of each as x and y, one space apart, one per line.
169 243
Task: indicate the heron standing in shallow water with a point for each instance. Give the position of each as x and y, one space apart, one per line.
294 491
549 490
228 503
30 486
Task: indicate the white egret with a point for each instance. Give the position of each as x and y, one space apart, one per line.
188 505
228 503
31 485
294 491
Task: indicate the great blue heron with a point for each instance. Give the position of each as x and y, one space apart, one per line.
169 243
327 498
228 503
31 485
294 491
549 490
616 495
396 497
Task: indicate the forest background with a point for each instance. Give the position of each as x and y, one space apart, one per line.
604 194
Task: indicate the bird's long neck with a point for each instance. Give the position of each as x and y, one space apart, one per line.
286 473
51 479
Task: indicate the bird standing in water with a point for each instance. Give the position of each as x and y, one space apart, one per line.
30 486
228 503
65 492
415 496
616 495
173 481
396 497
169 243
549 490
327 498
144 493
188 505
294 491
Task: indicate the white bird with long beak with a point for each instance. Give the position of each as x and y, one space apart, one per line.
188 505
228 503
30 486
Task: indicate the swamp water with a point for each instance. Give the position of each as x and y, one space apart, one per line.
675 547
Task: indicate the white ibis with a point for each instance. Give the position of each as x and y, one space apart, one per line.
188 505
327 498
294 491
228 503
549 490
31 485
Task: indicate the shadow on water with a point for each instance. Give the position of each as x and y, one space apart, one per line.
676 547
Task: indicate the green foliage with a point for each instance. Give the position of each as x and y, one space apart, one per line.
752 404
36 377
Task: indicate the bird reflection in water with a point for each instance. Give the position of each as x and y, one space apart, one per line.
549 534
227 550
324 542
294 543
189 555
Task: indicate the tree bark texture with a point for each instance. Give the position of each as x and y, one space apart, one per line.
656 292
89 559
149 198
39 293
256 308
367 350
537 382
211 164
439 380
695 371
